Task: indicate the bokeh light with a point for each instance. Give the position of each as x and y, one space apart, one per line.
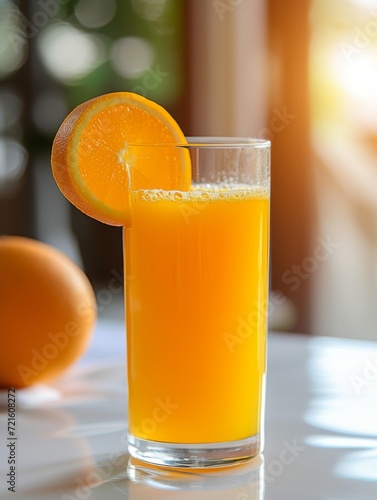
95 13
68 53
132 56
13 46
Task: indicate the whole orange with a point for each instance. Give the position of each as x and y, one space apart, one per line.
47 312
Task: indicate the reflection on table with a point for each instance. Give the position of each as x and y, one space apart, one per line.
321 430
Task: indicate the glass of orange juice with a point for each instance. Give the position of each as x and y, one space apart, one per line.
196 267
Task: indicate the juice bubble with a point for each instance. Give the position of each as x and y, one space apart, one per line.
203 193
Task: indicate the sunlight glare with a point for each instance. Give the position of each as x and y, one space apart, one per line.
358 77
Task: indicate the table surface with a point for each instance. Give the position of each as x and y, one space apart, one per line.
321 430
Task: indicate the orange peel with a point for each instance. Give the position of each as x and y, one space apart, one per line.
106 147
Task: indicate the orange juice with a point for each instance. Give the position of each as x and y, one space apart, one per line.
196 294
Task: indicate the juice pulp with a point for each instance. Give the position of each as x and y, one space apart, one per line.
196 306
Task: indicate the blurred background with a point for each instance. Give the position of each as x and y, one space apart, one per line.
302 73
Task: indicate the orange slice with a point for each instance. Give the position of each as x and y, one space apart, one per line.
103 150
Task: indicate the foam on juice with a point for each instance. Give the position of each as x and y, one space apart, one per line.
203 193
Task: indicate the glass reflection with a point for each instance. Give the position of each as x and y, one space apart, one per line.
140 481
40 427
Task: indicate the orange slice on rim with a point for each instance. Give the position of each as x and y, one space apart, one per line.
113 144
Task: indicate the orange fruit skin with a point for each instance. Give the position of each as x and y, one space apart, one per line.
91 141
47 312
60 159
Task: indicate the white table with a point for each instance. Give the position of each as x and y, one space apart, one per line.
321 431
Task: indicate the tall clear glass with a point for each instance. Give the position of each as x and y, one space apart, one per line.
196 267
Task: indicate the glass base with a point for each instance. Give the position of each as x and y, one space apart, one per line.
194 455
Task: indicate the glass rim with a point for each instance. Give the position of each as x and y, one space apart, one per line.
212 142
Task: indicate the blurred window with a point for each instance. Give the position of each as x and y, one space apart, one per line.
344 132
53 56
